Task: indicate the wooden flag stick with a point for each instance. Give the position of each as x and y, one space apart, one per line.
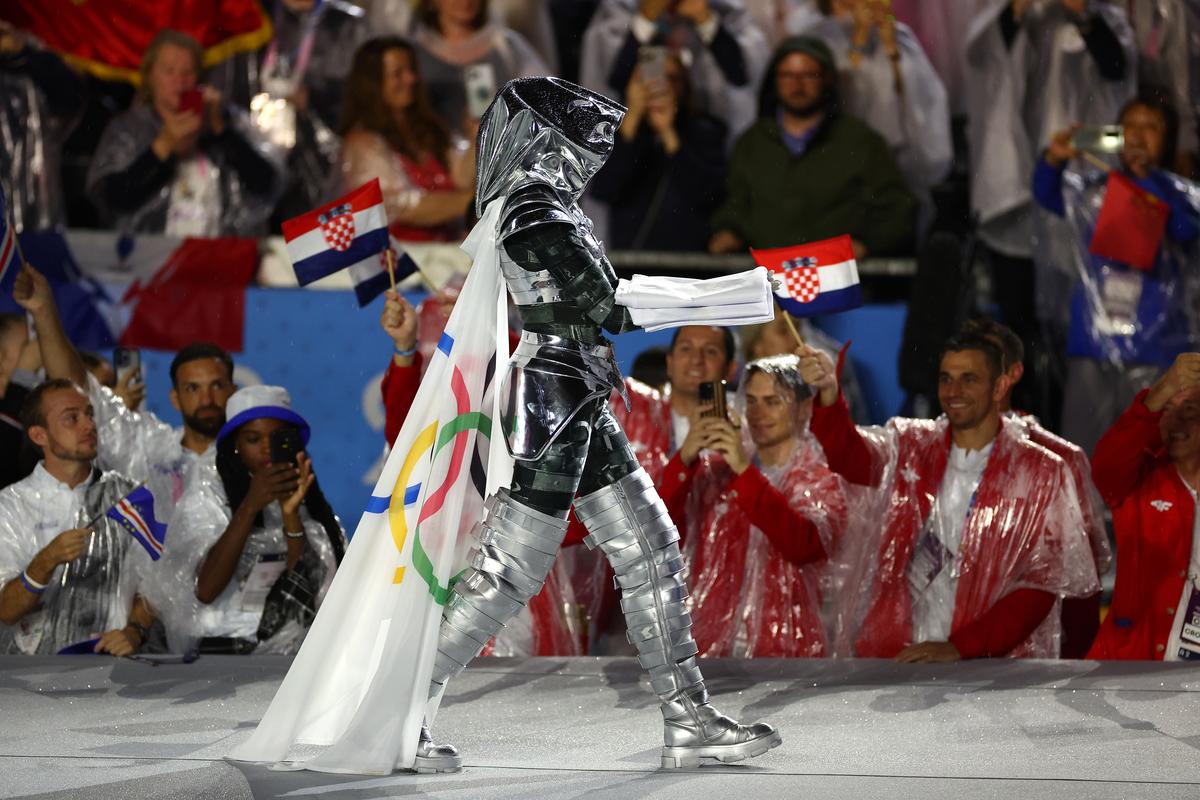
792 326
1094 160
391 266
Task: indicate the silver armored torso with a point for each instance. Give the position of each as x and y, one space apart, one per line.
529 287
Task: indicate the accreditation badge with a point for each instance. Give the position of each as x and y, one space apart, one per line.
1189 633
253 593
1120 296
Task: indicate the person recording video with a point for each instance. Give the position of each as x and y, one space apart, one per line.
255 546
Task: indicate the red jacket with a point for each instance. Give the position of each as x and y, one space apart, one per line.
1152 518
755 551
1022 541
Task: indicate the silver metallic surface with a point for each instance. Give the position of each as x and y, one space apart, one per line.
628 521
434 758
515 551
543 131
549 380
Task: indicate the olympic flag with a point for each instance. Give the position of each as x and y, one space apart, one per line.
360 683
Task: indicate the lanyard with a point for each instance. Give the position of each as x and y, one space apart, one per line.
299 56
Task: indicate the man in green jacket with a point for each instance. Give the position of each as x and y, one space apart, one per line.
805 171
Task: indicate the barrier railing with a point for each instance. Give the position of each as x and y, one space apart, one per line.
439 261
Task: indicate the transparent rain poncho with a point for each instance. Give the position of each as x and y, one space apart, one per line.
201 516
1022 529
205 195
736 105
95 592
749 600
1118 313
140 445
1091 504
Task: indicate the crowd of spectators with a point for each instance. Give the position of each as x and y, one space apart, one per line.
980 533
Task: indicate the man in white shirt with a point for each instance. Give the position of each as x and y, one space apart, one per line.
137 443
68 572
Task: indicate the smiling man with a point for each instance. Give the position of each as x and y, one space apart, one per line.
981 532
67 572
1147 468
138 443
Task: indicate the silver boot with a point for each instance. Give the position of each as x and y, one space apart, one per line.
516 548
435 757
629 523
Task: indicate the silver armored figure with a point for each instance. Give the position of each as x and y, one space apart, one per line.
540 142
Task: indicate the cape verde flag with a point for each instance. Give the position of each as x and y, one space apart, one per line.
135 513
815 278
10 262
341 234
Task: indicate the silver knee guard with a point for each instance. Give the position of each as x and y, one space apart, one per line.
516 549
629 523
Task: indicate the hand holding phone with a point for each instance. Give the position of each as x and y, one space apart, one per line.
713 393
286 445
128 360
1106 139
480 82
191 101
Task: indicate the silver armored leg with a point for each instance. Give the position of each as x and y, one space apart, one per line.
516 549
629 523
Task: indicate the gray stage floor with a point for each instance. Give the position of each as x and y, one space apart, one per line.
84 727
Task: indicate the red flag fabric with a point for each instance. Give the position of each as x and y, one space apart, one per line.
108 37
199 294
1131 224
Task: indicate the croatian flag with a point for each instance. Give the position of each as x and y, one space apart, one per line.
370 275
345 233
135 513
10 262
815 278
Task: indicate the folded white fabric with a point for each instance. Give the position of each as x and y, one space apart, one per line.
656 302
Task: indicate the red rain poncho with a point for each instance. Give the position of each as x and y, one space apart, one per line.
756 546
1022 546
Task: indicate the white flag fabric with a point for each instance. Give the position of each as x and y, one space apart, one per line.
360 683
657 302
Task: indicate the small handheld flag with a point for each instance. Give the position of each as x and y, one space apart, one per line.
10 258
814 278
135 513
1131 224
350 230
371 277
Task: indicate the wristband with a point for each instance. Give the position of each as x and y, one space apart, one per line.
142 631
31 585
412 351
294 534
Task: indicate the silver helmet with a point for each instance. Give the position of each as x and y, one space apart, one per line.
543 130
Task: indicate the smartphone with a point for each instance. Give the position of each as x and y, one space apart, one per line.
713 392
191 100
652 63
126 359
1103 139
286 444
480 81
